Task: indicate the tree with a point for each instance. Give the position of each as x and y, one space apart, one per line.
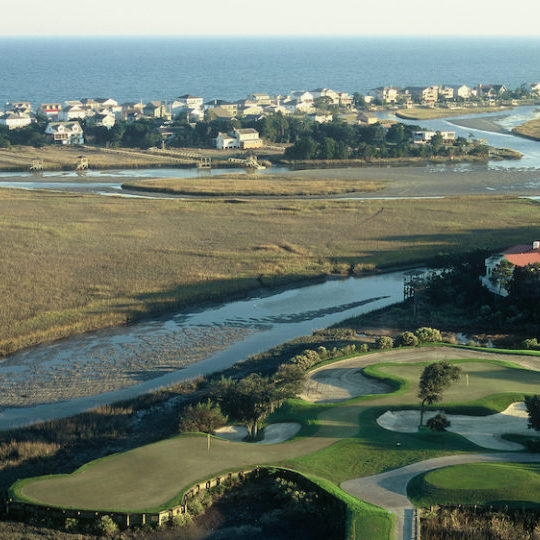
436 378
533 409
359 100
428 335
290 380
249 400
204 417
384 342
502 274
406 339
438 423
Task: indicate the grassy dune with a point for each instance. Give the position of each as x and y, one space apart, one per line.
80 262
530 129
431 114
253 185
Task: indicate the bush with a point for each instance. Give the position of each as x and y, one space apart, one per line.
195 506
71 524
106 526
438 423
384 342
363 348
204 417
531 343
406 339
428 335
182 520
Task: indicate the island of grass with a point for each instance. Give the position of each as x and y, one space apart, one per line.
251 185
515 485
530 129
154 477
419 113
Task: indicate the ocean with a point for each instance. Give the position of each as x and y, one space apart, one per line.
133 69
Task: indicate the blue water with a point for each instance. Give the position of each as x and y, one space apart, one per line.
133 69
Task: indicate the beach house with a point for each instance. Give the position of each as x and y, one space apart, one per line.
15 120
65 132
520 255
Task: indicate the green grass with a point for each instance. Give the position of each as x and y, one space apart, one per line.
364 520
479 379
337 442
489 484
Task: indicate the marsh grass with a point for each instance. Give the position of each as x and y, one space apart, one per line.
429 114
254 185
530 129
82 262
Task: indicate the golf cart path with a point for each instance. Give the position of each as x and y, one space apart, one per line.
389 489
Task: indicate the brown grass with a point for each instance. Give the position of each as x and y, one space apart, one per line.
430 114
73 263
530 129
56 157
254 185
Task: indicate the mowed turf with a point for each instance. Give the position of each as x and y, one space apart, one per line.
478 380
152 475
497 484
340 441
81 262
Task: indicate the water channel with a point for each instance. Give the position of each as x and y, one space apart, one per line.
63 378
69 376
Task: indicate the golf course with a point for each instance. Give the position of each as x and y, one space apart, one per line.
339 442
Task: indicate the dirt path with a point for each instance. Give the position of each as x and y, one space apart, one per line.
389 489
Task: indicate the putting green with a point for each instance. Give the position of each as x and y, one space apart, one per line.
152 476
497 484
478 380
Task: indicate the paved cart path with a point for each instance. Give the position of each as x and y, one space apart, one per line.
389 489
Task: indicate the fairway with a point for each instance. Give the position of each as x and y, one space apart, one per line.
151 476
493 484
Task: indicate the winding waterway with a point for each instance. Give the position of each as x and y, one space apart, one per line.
69 376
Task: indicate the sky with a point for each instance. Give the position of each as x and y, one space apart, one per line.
275 17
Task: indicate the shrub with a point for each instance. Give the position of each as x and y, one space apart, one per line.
438 423
205 417
195 506
106 526
363 348
384 342
181 520
428 335
71 524
531 343
406 339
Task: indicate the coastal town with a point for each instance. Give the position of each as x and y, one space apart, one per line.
67 123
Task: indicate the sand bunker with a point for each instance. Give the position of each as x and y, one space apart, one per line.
484 431
273 433
330 384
